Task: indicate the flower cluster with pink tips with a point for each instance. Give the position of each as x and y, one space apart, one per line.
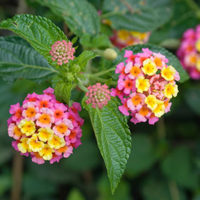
45 128
189 52
62 52
145 85
98 95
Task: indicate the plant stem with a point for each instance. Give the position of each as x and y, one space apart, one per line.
81 85
102 72
174 190
161 129
17 176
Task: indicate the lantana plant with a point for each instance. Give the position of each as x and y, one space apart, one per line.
135 83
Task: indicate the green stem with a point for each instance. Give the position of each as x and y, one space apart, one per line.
103 80
81 85
174 190
102 72
17 177
193 5
161 129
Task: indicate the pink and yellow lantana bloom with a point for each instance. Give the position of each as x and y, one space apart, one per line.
44 128
145 86
189 52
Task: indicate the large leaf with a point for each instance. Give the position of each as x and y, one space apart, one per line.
137 15
173 60
19 60
113 138
80 16
39 31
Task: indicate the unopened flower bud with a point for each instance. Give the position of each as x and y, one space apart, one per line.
110 54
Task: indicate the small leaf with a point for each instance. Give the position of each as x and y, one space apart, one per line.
142 16
100 41
84 57
178 167
113 138
19 60
80 16
39 31
173 60
63 91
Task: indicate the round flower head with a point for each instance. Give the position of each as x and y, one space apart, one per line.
145 85
44 128
62 52
124 38
189 52
98 95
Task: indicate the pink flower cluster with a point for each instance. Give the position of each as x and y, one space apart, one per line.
145 85
62 52
189 52
98 95
44 128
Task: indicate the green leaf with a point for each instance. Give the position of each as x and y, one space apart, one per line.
173 60
192 96
63 91
100 41
19 60
84 57
142 16
113 138
178 167
39 31
142 157
80 16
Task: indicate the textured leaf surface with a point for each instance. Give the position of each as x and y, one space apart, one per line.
79 15
113 138
137 15
39 31
19 60
173 60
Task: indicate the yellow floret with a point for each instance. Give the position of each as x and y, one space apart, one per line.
23 145
160 109
151 102
142 84
168 73
45 134
197 45
56 142
34 144
149 67
170 90
46 152
27 127
198 64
